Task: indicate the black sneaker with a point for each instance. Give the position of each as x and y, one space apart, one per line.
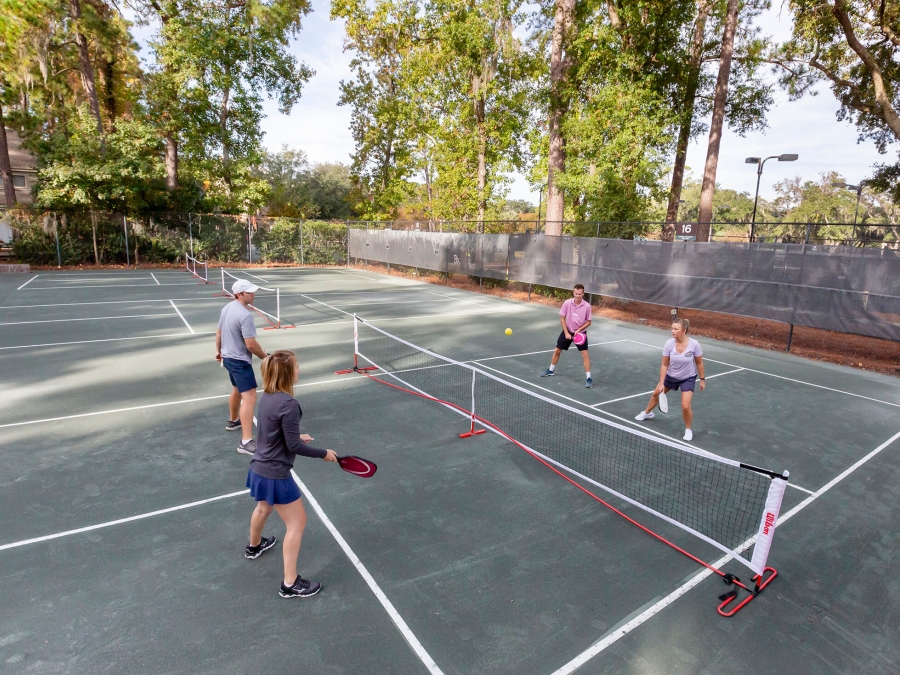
253 552
248 448
233 426
302 588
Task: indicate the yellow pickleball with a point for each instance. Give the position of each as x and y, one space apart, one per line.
508 331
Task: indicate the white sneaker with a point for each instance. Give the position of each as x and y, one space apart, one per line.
644 416
688 435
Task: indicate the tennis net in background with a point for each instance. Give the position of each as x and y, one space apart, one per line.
267 302
197 268
730 505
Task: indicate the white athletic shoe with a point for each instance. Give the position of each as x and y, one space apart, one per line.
688 435
643 416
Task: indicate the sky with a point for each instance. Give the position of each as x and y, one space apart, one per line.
808 127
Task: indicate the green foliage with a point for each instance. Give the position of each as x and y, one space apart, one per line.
298 190
83 171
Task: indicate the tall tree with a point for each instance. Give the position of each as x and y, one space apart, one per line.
87 68
686 126
718 119
854 47
560 65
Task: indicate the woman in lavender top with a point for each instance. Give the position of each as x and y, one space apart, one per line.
682 364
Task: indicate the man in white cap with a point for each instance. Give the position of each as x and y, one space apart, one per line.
235 345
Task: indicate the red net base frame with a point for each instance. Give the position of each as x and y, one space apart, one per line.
356 368
760 581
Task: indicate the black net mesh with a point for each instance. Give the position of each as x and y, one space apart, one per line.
717 499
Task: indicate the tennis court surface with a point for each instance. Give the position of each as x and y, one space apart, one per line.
125 514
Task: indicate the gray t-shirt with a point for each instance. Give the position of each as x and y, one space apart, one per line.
682 366
236 323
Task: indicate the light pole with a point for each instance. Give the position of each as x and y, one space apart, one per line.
858 189
759 169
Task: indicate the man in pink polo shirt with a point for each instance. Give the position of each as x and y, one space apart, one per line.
575 317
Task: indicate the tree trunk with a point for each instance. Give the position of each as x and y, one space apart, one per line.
223 132
556 160
482 163
87 70
718 120
171 162
94 233
684 133
109 74
9 189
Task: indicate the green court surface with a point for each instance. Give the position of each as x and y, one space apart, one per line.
125 513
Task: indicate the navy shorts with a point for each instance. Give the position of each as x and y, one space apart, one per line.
273 490
563 344
684 385
241 374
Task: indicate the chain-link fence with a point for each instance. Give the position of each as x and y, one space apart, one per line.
48 238
828 234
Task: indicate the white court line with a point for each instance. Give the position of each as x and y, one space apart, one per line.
326 305
155 279
248 274
162 405
789 379
543 351
386 302
67 533
444 295
28 282
645 393
84 342
182 317
373 585
78 288
648 613
89 318
361 276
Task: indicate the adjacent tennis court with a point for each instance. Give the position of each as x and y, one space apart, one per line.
125 514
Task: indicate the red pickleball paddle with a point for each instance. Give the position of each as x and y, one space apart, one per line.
357 466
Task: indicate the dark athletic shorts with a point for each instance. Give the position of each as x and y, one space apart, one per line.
684 385
273 490
241 374
562 343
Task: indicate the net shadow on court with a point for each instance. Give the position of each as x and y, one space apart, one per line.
493 563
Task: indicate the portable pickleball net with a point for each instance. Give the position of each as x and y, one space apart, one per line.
728 504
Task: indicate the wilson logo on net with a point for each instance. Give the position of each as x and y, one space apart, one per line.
770 521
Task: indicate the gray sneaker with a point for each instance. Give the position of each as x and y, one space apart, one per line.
548 373
233 426
247 449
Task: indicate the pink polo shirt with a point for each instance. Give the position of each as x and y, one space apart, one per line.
576 315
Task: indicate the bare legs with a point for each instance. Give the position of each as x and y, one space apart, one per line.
584 357
686 412
654 399
242 405
294 517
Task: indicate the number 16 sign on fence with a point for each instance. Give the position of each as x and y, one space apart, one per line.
686 232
